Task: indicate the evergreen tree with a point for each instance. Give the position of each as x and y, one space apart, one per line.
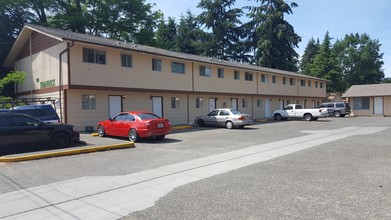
166 34
275 38
309 54
223 20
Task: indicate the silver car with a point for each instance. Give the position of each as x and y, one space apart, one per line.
224 117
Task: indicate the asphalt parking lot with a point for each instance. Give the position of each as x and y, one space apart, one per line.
334 168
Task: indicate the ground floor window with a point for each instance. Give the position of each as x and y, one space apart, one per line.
88 101
174 102
199 103
361 103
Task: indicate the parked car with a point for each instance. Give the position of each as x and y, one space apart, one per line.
44 112
135 125
297 111
23 129
336 109
225 117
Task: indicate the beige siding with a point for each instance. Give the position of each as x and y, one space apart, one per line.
140 75
387 105
41 67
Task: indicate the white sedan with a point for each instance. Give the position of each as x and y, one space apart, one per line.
224 117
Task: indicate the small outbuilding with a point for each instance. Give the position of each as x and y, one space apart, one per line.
370 100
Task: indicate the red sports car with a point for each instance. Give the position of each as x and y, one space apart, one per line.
135 125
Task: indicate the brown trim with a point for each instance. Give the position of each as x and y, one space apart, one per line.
69 65
40 91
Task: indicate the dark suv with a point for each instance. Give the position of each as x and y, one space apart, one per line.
336 109
44 112
21 129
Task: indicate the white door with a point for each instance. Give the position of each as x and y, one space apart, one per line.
115 105
234 103
282 104
212 104
157 105
267 108
378 106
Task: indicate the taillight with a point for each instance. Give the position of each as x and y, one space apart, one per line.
242 118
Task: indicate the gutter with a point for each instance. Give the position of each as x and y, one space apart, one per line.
60 78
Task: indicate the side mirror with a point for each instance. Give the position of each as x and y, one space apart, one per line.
110 119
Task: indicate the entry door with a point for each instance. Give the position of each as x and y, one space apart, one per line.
115 105
282 104
378 106
157 105
234 103
267 108
212 104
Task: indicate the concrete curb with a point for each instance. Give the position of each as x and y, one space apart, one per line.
65 152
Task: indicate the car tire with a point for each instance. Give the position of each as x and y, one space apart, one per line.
314 119
201 123
308 117
132 135
101 131
60 139
229 124
278 117
337 114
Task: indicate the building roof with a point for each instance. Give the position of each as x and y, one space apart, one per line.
65 35
369 90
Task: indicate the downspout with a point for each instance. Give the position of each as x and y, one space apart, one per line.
60 78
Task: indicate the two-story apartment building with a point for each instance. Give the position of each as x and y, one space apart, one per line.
94 78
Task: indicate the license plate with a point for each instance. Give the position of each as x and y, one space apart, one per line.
160 125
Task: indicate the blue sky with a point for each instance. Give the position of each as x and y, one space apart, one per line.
313 18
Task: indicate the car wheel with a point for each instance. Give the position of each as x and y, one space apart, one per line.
337 114
314 119
229 124
101 131
60 139
133 135
308 117
278 117
201 123
160 137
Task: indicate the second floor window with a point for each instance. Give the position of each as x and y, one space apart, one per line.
220 73
302 82
292 81
205 71
94 56
156 65
236 75
274 79
126 60
178 67
264 78
248 76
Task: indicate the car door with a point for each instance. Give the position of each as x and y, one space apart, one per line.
6 132
28 130
222 117
210 119
117 124
290 111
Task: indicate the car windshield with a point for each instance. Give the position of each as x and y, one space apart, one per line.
236 112
146 116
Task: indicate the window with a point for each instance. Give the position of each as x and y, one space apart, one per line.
178 68
316 84
274 79
205 71
263 78
292 81
244 103
220 73
321 84
88 102
156 65
309 83
94 56
199 103
126 60
224 112
361 103
174 102
259 103
284 80
236 75
248 76
302 82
